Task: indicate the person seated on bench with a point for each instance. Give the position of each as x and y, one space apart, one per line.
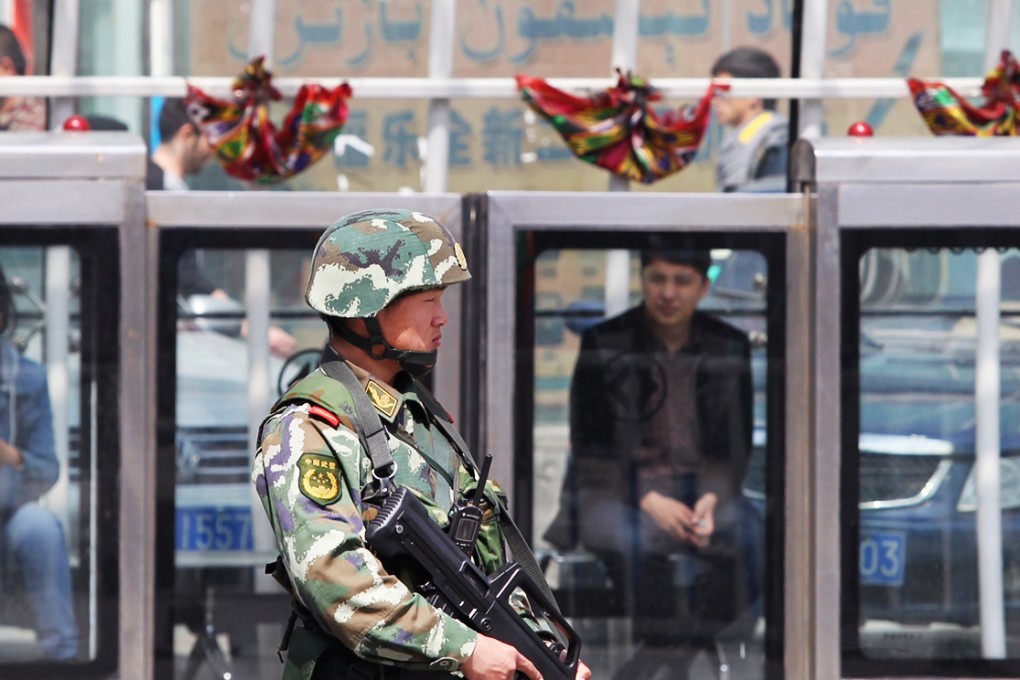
33 551
660 433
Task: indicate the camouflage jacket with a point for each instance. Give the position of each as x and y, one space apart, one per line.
310 469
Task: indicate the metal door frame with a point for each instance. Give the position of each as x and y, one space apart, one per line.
258 215
510 213
97 181
885 184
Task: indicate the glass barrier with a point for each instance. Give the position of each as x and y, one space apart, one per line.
652 467
910 432
226 268
59 456
210 600
213 499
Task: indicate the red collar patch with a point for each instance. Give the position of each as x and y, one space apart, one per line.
322 414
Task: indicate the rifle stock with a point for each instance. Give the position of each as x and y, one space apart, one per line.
403 529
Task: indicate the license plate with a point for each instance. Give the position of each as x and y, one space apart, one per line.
883 557
212 528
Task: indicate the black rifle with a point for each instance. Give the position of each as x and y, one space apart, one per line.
452 582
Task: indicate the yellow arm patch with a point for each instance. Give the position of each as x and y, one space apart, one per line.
320 480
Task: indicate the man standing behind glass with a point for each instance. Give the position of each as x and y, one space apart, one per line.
33 551
661 417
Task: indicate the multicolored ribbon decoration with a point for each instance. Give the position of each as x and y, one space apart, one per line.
244 139
948 113
617 129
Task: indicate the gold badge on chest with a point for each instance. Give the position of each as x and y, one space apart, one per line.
381 399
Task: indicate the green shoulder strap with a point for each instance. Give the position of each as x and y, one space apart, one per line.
370 427
321 388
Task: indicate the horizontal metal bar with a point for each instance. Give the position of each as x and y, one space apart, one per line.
469 88
249 210
71 203
647 211
48 156
931 206
949 160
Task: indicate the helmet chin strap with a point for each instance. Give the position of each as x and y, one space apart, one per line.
416 363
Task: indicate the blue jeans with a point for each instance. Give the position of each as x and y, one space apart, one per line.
35 545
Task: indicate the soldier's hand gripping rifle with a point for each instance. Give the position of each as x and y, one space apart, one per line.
452 582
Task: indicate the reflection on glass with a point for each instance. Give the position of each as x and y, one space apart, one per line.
205 278
219 548
213 495
918 561
39 509
645 423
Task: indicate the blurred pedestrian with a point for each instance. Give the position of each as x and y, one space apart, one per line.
33 549
754 152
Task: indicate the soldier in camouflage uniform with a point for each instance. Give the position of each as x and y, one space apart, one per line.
377 280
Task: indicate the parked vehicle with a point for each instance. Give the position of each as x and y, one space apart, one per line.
917 558
917 528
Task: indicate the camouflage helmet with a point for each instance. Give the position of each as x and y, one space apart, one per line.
365 260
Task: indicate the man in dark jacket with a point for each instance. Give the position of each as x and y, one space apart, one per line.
661 422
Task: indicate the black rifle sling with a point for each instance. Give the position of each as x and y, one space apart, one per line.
519 548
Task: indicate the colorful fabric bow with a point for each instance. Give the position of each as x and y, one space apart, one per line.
617 129
244 139
948 113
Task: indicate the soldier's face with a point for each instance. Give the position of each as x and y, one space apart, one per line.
672 292
415 321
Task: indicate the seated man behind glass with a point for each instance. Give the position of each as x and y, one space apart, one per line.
661 419
33 551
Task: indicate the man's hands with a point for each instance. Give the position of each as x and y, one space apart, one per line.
496 660
679 521
704 519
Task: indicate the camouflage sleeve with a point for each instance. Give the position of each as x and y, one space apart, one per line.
303 474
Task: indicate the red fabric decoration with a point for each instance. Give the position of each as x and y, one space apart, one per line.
618 130
948 113
246 142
